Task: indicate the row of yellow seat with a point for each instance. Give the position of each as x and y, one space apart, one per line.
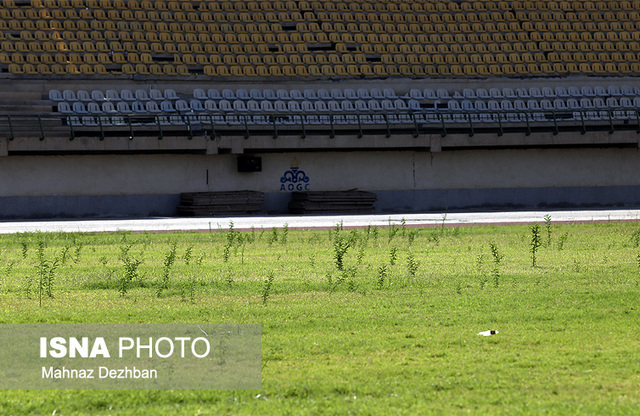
403 6
99 69
369 46
378 70
386 59
492 40
122 29
33 14
207 37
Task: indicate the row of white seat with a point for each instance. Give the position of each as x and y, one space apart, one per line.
434 118
227 93
295 94
522 92
415 93
69 95
227 106
318 105
557 104
347 93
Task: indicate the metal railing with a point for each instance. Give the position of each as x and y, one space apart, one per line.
275 124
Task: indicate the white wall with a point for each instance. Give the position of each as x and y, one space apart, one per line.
382 171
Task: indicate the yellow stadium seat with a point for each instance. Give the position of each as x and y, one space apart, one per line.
154 69
72 69
596 68
584 68
16 69
248 71
43 69
86 69
625 68
609 68
210 71
100 69
89 59
223 71
444 70
58 69
167 69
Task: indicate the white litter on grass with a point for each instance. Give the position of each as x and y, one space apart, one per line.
488 333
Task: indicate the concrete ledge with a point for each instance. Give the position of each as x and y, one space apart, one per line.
408 201
318 142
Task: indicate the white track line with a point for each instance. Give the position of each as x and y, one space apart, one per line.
267 222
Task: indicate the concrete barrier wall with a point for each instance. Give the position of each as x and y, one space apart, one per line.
116 185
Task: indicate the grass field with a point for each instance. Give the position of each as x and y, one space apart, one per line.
363 321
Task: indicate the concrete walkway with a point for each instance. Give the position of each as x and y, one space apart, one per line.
267 222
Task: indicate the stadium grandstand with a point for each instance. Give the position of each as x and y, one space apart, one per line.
116 107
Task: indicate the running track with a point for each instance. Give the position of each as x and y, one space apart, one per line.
267 222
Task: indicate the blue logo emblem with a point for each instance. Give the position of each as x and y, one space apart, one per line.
294 179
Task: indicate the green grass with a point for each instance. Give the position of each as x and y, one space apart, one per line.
360 335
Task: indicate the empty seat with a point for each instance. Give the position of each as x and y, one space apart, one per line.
182 106
142 95
210 105
350 94
127 95
337 94
323 94
389 93
97 95
69 95
574 92
363 93
587 91
200 94
83 95
430 94
282 94
196 105
156 95
377 94
170 94
138 107
469 93
167 106
79 108
559 104
600 91
416 94
55 95
64 107
108 107
94 108
535 92
152 107
256 94
228 94
123 107
548 92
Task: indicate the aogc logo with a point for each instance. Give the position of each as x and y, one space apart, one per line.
294 179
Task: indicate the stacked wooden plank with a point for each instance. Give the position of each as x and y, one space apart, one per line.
221 203
332 202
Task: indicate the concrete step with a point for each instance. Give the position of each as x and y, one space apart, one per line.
15 95
14 108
